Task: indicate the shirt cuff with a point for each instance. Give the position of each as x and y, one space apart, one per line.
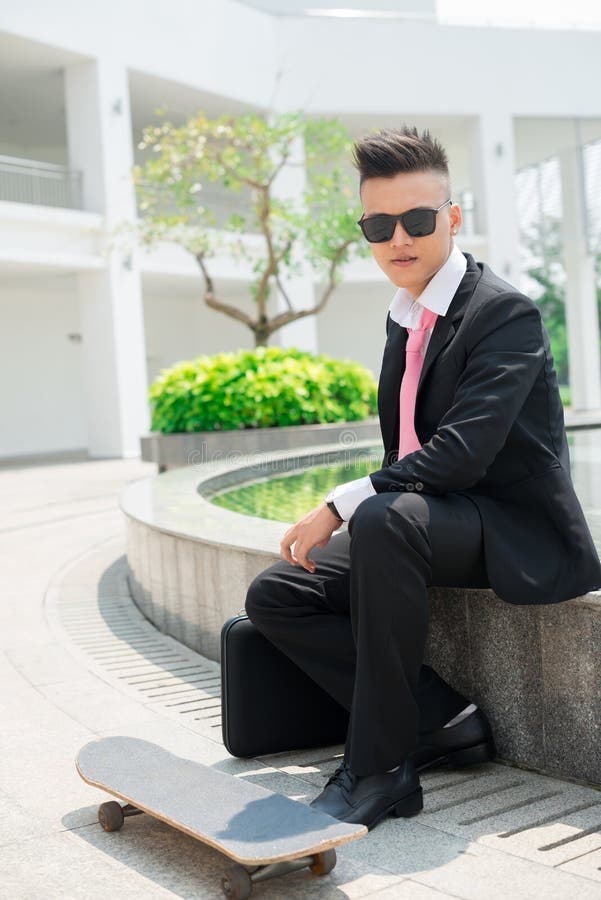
349 495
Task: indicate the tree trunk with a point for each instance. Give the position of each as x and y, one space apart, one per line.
261 331
261 336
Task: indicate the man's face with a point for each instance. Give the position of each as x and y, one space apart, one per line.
410 262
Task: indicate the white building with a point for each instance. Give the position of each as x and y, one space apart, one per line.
83 332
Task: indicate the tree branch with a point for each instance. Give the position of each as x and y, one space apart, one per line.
291 316
212 301
279 167
245 180
284 293
274 259
272 269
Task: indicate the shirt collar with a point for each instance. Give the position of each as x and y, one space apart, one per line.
436 296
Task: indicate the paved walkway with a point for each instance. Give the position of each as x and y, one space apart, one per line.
79 661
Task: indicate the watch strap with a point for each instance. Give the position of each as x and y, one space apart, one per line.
331 506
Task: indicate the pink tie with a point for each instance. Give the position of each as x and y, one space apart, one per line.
408 440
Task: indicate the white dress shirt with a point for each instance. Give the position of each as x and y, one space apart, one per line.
406 311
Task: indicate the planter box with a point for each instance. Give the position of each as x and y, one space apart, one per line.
172 451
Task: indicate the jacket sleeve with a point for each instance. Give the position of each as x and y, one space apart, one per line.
504 354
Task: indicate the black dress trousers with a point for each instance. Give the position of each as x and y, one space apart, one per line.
358 625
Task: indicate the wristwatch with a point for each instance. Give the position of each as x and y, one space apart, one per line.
332 508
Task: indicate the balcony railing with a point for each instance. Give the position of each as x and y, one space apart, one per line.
45 184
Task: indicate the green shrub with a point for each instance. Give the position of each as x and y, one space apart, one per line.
268 386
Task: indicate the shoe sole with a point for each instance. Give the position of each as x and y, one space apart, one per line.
467 756
408 806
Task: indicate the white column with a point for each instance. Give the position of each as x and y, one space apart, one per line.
493 168
99 138
582 319
299 288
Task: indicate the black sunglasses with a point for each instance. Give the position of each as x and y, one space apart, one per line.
417 222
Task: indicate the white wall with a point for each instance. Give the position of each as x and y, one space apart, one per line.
50 237
172 330
230 50
538 138
353 324
41 395
40 152
217 45
297 7
179 325
422 69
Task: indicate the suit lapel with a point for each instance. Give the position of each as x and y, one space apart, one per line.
446 326
393 366
440 337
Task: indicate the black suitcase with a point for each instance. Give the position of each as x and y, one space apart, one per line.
268 704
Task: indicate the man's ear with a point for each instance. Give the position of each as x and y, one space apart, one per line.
455 217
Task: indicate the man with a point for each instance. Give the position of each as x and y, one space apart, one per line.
474 491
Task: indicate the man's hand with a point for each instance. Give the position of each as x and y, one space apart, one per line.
313 530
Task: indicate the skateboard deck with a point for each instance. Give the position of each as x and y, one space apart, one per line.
266 833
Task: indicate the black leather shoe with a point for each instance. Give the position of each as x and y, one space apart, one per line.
367 799
468 741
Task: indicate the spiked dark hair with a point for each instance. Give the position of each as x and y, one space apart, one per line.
393 150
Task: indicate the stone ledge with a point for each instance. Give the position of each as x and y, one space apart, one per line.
535 670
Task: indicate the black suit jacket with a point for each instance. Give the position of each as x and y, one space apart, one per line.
490 420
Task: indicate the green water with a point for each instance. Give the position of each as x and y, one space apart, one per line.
287 498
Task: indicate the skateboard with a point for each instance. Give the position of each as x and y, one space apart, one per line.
264 833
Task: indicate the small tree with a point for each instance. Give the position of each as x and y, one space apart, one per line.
543 243
247 153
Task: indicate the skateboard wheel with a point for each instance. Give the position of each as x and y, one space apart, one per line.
236 883
110 815
323 862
